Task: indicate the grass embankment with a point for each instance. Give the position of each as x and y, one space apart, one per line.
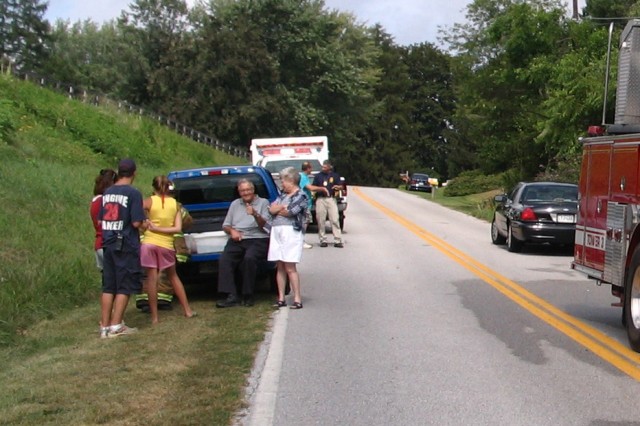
479 205
55 370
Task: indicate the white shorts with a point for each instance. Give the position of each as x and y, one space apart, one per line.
285 244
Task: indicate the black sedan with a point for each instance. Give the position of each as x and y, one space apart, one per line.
419 182
535 212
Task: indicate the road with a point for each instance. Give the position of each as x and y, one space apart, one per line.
420 320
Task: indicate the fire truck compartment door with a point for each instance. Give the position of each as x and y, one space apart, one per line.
618 221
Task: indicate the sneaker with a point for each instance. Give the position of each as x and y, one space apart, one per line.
122 330
339 245
324 245
307 245
229 302
104 332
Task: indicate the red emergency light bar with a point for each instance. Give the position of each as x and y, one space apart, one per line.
292 144
595 131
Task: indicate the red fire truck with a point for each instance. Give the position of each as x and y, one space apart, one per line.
607 244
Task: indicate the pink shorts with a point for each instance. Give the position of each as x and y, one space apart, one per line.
159 258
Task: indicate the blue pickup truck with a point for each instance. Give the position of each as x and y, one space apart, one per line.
207 194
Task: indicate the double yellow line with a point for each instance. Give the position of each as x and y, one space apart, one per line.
602 345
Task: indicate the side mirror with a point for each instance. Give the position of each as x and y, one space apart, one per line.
500 198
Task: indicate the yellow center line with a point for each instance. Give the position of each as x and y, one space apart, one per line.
599 343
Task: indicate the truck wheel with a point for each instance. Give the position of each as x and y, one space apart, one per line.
632 302
513 244
496 238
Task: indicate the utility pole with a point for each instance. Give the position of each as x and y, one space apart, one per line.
575 10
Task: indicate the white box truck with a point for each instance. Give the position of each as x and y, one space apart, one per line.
274 154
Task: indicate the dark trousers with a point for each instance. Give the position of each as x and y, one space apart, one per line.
242 256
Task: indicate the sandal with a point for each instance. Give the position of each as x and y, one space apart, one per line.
280 304
296 305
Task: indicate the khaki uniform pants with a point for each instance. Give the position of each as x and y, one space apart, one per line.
328 207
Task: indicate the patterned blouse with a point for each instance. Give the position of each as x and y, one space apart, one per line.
296 205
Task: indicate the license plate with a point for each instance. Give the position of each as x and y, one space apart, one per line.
566 218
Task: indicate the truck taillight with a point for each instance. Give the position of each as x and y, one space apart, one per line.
528 215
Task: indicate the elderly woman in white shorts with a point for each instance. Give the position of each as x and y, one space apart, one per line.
288 213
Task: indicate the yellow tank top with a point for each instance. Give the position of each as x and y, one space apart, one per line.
162 216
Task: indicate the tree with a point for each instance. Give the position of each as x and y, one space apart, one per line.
433 104
24 33
608 8
282 67
509 56
156 30
87 55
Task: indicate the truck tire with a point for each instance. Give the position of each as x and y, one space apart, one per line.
496 238
514 245
631 307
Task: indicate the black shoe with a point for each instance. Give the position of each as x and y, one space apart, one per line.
229 302
248 301
339 245
324 245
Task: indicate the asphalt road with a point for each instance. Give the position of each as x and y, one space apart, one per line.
420 320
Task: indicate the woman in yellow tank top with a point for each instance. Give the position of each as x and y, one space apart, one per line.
157 252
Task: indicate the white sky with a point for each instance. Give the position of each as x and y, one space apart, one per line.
408 21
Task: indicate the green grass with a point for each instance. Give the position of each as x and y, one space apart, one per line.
55 370
477 205
47 166
182 371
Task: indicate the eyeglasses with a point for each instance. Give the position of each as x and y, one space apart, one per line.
245 190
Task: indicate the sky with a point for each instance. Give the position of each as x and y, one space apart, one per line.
408 21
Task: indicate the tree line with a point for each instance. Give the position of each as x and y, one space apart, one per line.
511 92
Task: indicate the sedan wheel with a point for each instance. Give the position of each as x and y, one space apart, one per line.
513 244
496 238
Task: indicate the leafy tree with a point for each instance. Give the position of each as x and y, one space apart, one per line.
87 55
608 8
156 30
24 33
388 144
575 91
509 55
433 104
281 67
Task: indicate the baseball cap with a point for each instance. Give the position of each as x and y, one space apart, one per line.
126 166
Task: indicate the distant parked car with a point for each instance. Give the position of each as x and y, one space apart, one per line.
419 182
535 212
